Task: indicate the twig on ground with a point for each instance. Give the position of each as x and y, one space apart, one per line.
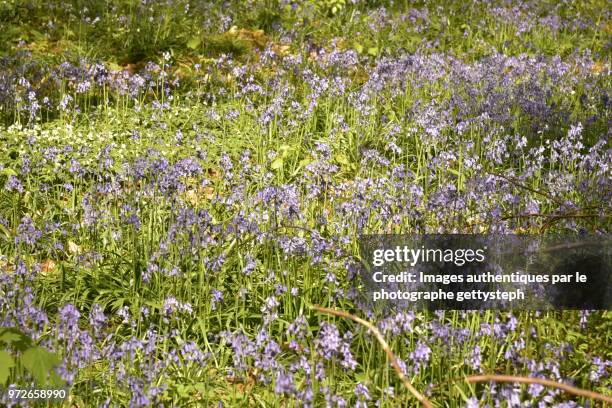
532 380
517 183
471 379
422 399
556 216
553 218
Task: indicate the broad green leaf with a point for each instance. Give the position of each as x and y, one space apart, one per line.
15 338
113 66
373 51
201 387
305 162
152 304
194 42
342 159
358 48
362 377
10 335
40 363
8 172
6 363
455 172
277 163
285 148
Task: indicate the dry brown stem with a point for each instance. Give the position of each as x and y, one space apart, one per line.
422 399
471 379
542 381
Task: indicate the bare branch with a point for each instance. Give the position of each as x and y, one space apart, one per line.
525 187
422 399
471 379
556 216
547 383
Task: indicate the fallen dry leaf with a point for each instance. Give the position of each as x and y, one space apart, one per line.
73 248
48 266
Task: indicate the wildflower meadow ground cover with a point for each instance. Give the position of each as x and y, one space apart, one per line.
181 181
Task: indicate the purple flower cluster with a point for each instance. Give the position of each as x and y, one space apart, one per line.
170 238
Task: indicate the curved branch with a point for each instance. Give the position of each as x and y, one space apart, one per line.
471 379
532 380
422 399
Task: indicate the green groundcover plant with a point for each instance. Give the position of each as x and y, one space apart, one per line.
182 181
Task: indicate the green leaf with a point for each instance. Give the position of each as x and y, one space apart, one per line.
305 162
8 172
362 377
40 363
455 172
201 387
358 48
285 149
6 363
373 51
10 335
113 66
341 159
277 163
15 338
194 42
184 390
152 304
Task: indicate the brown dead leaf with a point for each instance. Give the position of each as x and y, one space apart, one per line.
5 266
243 384
212 173
342 44
360 76
191 197
48 266
194 197
131 68
208 192
73 248
599 67
281 49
